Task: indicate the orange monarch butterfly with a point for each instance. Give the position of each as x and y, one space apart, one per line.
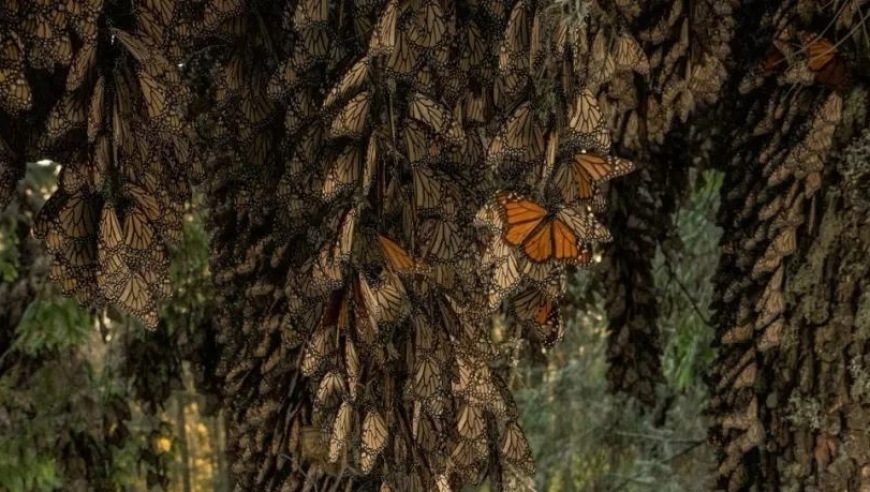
474 54
440 240
629 55
543 235
82 67
346 172
470 422
515 448
116 280
341 429
351 120
579 178
587 125
506 274
352 81
384 35
322 342
374 440
431 25
823 60
351 367
396 257
520 137
15 92
516 40
329 391
420 147
310 12
538 314
402 61
434 114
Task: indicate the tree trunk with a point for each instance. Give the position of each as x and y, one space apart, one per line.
787 396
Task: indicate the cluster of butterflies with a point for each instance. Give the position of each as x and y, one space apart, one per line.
797 93
802 57
456 163
113 116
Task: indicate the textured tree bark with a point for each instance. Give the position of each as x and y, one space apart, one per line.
819 383
787 400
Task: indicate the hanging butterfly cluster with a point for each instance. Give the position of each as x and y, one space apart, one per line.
348 239
119 132
373 185
794 107
36 43
801 57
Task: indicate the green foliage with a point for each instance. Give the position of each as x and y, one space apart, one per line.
683 272
584 438
9 256
52 324
23 466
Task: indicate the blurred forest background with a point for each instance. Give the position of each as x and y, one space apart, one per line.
71 377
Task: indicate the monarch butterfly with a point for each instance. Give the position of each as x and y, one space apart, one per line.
69 115
580 177
310 12
341 429
424 430
427 376
329 390
82 67
434 114
587 126
77 214
470 422
397 258
384 35
467 457
440 240
15 93
324 276
537 55
602 65
96 113
829 67
520 137
476 50
361 320
314 46
345 173
352 118
430 26
386 300
117 282
629 55
545 235
515 46
255 107
772 303
351 362
374 440
322 343
433 193
420 147
340 249
538 314
402 61
475 108
515 448
354 79
506 273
